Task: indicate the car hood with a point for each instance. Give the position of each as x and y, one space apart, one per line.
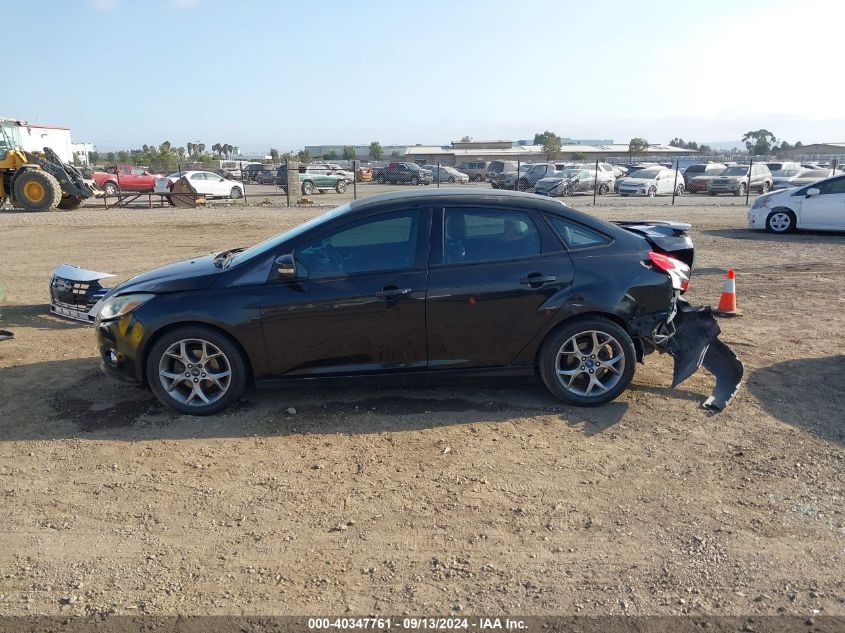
198 273
632 182
552 181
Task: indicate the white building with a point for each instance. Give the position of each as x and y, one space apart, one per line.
35 137
81 152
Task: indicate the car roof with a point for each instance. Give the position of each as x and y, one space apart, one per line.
454 194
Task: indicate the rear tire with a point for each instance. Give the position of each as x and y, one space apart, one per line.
110 188
70 203
588 361
36 190
415 181
341 186
231 360
742 189
603 189
679 190
307 188
236 193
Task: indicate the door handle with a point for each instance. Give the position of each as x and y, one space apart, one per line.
537 279
392 292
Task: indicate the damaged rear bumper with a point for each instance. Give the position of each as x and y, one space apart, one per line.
691 337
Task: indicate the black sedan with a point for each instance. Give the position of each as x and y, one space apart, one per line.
414 285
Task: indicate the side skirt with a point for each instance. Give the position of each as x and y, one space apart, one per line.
408 378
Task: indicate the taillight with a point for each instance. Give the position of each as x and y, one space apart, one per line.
675 268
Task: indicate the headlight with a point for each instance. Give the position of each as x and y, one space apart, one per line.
114 307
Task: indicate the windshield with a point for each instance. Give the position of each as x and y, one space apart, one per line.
645 173
269 245
735 171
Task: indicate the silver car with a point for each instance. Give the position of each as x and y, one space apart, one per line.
446 174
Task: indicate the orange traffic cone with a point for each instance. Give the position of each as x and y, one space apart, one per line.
727 303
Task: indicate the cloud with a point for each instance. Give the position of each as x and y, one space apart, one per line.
102 5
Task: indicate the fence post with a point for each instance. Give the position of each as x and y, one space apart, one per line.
243 183
516 183
438 174
287 178
675 186
354 179
596 182
748 186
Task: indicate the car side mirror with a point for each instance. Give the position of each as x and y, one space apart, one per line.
812 192
286 267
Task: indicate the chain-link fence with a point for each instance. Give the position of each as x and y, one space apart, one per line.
288 182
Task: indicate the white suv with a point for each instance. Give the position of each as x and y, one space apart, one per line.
818 206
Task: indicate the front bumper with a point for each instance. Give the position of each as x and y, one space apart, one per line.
119 347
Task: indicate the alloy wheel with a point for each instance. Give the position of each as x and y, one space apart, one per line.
195 372
590 363
780 222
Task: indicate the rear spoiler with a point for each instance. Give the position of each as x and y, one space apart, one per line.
667 236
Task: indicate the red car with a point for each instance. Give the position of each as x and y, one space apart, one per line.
124 177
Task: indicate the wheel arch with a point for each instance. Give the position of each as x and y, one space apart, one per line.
156 335
580 316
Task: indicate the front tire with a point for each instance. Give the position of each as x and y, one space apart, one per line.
196 370
236 193
36 190
110 188
764 188
652 192
679 190
603 189
587 362
780 221
742 189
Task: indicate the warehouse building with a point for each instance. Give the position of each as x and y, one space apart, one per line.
816 151
35 137
467 151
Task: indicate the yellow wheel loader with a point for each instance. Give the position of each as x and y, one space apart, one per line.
36 181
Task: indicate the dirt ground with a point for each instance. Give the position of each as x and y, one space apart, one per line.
467 498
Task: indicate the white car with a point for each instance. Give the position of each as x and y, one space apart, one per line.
652 181
205 182
819 206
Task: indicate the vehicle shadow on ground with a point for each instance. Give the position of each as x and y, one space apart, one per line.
36 316
72 398
815 237
807 393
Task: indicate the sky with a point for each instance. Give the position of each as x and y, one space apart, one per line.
271 73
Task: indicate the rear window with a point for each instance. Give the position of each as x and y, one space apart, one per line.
575 236
696 169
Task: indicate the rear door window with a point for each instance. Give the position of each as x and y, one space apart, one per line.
478 234
574 235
